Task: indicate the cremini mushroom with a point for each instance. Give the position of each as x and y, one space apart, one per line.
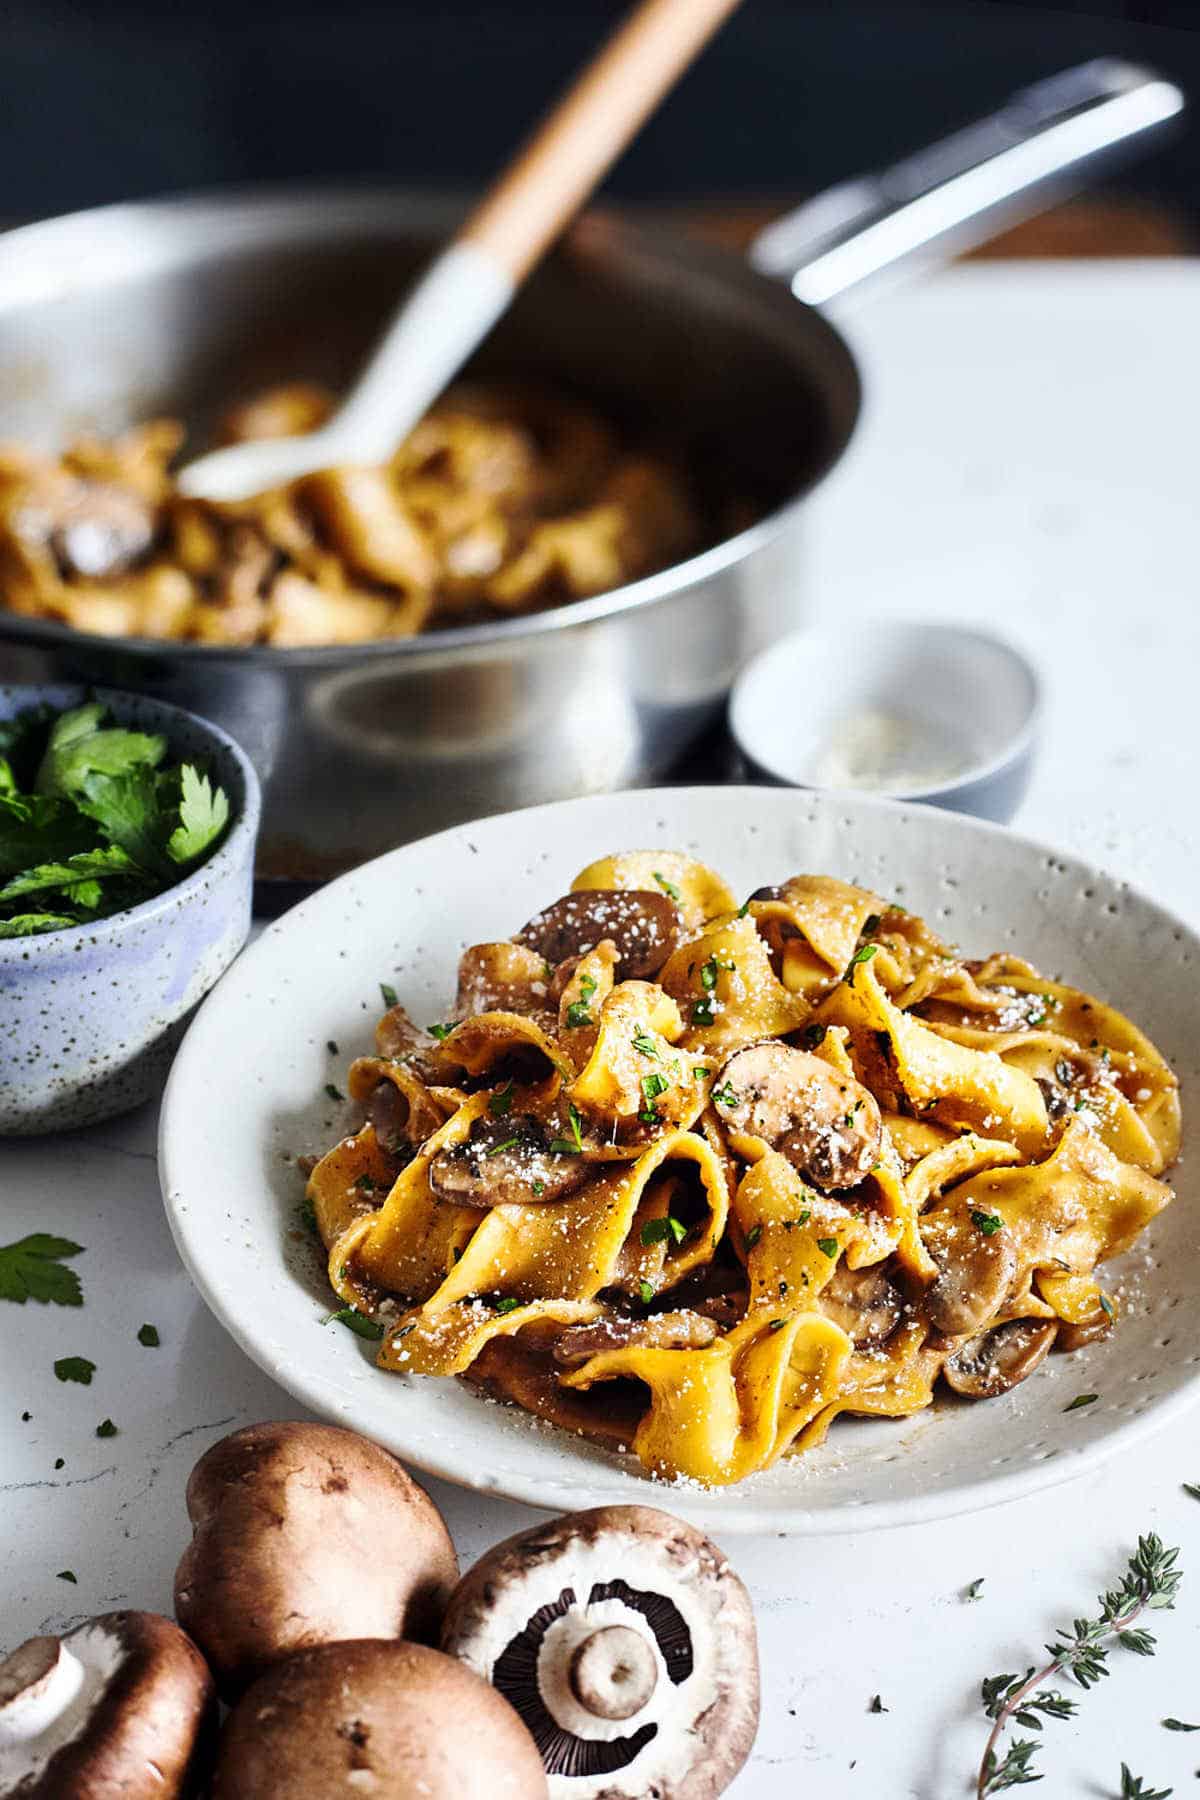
644 927
626 1643
123 1704
303 1534
998 1359
658 1331
825 1123
864 1303
505 1161
976 1268
386 1720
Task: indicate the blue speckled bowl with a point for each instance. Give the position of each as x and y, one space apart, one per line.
89 1018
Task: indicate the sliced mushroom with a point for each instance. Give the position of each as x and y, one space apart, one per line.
825 1123
306 1534
121 1705
1075 1337
645 928
998 1359
388 1112
506 1162
550 1618
386 1720
660 1331
864 1302
976 1269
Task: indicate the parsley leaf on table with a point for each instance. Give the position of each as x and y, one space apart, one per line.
32 1269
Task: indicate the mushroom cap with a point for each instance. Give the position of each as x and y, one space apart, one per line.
121 1708
523 1615
1000 1358
388 1720
303 1534
644 927
826 1123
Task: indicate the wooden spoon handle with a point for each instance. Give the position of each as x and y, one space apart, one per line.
587 130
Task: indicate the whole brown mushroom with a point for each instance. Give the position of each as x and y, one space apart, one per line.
123 1705
386 1720
304 1534
626 1643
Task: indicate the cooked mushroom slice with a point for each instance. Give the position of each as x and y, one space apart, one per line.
661 1331
1076 1337
998 1359
121 1705
825 1123
645 928
976 1269
864 1303
626 1643
304 1534
377 1718
506 1162
388 1111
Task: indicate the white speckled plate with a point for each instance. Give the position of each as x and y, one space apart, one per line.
247 1095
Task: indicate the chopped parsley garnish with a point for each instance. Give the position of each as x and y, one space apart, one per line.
870 925
357 1322
814 1036
440 1032
1107 1307
509 1304
645 1043
753 1235
578 1013
148 1337
877 1705
333 1092
862 955
702 1012
331 1046
668 887
827 1246
390 996
500 1104
498 1149
539 1187
572 1146
988 1223
744 908
366 1184
306 1216
974 1588
67 1575
106 1429
776 1324
1179 1725
852 1114
1192 1488
32 1269
700 1074
1081 1400
660 1231
93 821
75 1368
726 1094
645 1292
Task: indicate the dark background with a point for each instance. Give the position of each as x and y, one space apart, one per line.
114 98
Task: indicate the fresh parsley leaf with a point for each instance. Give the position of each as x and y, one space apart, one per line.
1192 1488
357 1322
34 829
75 1368
643 1042
31 924
645 1292
389 995
80 745
148 1334
988 1223
579 1013
877 1705
862 955
509 1304
668 887
84 868
32 1269
702 1012
106 1429
1080 1400
334 1093
440 1032
126 808
500 1104
828 1246
499 1149
660 1231
753 1235
726 1095
1179 1725
974 1588
67 1575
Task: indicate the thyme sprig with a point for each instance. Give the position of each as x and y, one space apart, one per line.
1151 1581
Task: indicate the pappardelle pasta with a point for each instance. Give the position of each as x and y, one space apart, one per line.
503 500
693 1178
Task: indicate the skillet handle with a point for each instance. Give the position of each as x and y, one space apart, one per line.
1043 143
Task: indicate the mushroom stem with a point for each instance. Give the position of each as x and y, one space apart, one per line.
613 1673
40 1685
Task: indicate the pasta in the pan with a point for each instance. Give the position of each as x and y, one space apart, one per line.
693 1178
503 500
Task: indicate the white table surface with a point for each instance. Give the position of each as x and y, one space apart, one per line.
1028 459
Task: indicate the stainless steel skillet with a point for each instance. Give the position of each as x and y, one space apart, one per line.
110 315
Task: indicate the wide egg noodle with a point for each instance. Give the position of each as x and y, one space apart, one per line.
697 890
726 989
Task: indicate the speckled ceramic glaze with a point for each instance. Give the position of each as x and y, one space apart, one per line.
231 1132
89 1018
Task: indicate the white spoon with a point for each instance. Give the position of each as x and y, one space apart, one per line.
470 284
